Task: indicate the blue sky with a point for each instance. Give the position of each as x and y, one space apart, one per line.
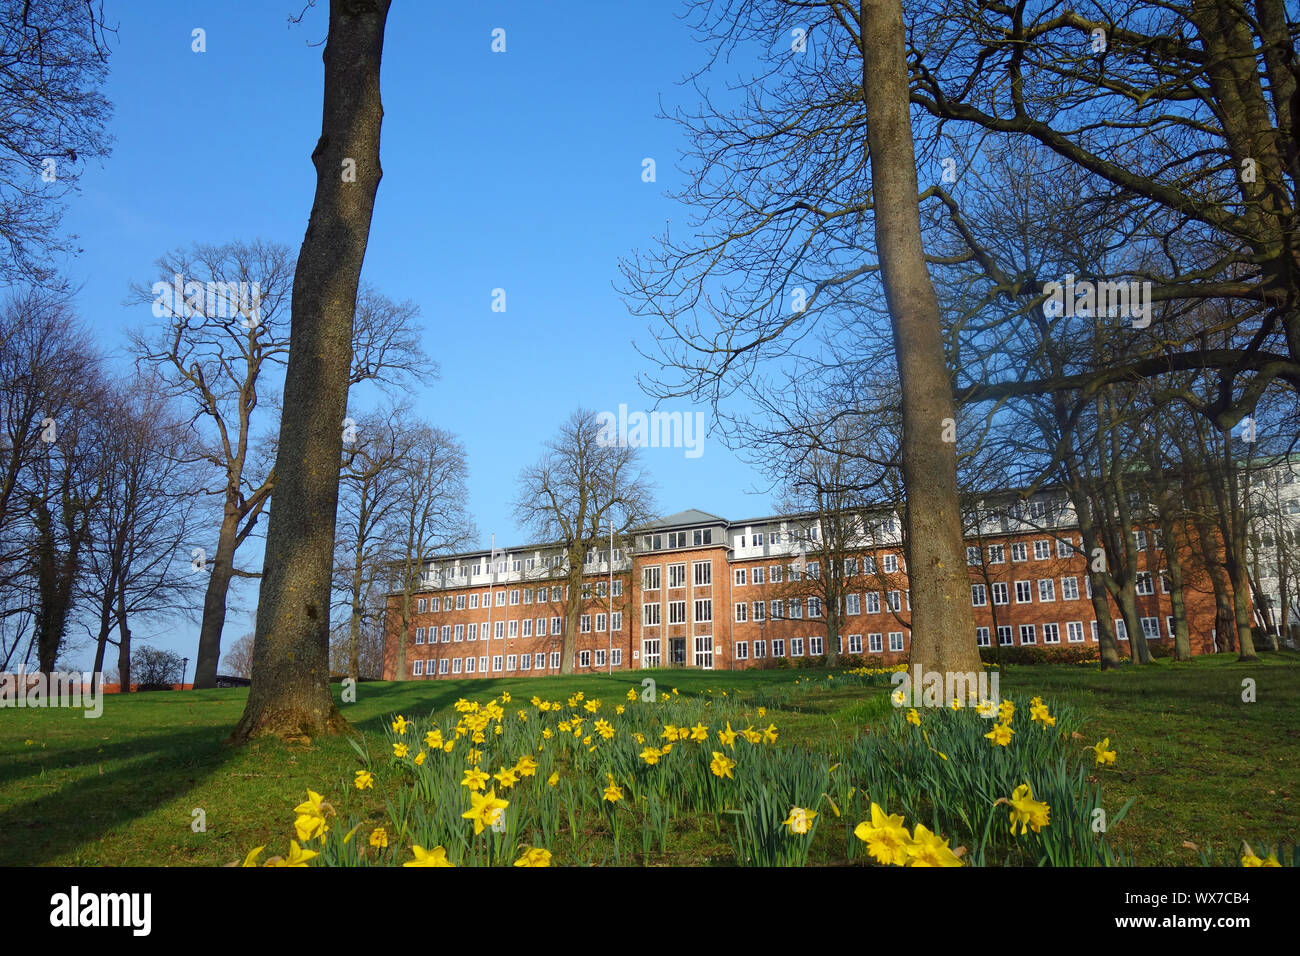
519 170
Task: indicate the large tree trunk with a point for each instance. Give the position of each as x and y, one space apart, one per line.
943 624
290 692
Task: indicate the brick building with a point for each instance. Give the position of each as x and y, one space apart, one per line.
697 590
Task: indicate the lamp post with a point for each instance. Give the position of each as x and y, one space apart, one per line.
185 666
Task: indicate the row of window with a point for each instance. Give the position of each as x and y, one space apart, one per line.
997 553
816 646
698 538
1051 633
515 596
510 662
525 628
702 575
651 613
889 564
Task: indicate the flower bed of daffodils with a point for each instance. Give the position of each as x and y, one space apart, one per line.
583 781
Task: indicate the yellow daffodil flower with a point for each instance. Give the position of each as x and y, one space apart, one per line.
435 857
722 765
535 857
800 820
485 810
886 838
1026 811
364 780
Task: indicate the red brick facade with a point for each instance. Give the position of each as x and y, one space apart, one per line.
715 606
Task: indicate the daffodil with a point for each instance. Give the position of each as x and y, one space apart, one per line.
435 857
605 729
1039 712
535 857
699 733
400 750
631 694
613 793
619 709
762 711
399 725
1006 710
553 779
913 717
297 856
800 820
728 736
651 755
419 758
485 809
769 734
1026 811
526 766
364 780
253 854
1000 735
1251 860
722 765
1104 756
986 708
475 779
927 849
379 837
886 838
433 739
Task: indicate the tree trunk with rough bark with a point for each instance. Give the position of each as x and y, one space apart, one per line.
943 624
290 692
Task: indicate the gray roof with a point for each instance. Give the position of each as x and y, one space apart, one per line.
691 516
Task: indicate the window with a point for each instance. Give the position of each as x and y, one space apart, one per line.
895 640
778 609
742 612
853 603
417 668
526 662
1094 631
1004 635
514 629
703 574
499 630
650 614
473 602
889 563
677 575
496 662
459 634
1121 629
774 537
1169 624
618 588
1000 593
1144 583
703 610
1064 548
1042 550
1141 538
586 591
1074 632
1164 583
1027 635
556 593
816 646
796 609
760 611
703 536
1151 628
875 643
482 664
676 612
893 600
796 572
600 658
758 575
446 634
421 605
978 595
742 650
778 648
982 636
814 607
435 604
616 621
1047 589
650 579
514 598
972 555
584 658
997 553
512 662
600 623
855 643
850 567
541 627
873 602
1051 634
796 647
528 595
584 624
740 577
1087 586
473 632
557 625
527 627
1018 551
775 575
760 649
555 659
868 565
456 665
616 657
1069 589
419 635
1024 592
501 599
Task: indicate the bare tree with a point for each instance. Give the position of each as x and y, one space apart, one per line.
582 483
54 58
428 518
237 661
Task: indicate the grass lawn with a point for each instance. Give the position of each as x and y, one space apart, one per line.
1204 766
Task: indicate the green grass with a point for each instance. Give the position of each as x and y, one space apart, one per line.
1204 766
